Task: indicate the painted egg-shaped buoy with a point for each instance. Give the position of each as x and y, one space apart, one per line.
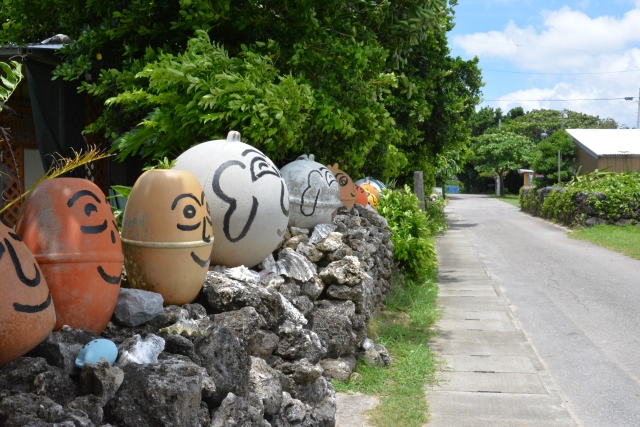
248 198
361 196
373 195
314 193
377 184
27 315
347 187
68 226
167 235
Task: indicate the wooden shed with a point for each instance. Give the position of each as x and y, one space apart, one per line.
618 149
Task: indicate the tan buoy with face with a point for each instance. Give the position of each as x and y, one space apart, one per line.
27 315
248 198
347 187
167 236
68 226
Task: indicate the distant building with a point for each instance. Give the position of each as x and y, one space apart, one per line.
601 148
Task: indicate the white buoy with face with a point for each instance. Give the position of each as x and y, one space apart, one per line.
314 193
247 196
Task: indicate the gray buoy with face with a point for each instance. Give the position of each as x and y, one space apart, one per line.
248 199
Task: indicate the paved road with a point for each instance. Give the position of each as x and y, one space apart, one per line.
577 304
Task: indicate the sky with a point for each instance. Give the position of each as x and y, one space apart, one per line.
575 51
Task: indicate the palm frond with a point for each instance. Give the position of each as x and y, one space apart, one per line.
62 165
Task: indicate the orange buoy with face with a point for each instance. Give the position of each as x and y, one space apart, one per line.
347 187
373 195
361 196
27 316
68 226
167 235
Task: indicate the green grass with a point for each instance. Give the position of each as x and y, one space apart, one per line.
512 199
625 240
404 329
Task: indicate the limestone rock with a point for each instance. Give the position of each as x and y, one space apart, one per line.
295 241
295 231
88 406
265 383
135 306
166 393
137 350
332 242
293 413
309 251
344 272
339 369
377 355
296 342
312 288
56 385
244 323
27 409
334 330
61 348
19 375
101 380
238 411
226 362
301 371
321 231
242 274
262 344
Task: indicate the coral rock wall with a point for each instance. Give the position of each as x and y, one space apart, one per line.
256 348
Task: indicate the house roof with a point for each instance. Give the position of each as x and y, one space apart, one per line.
607 142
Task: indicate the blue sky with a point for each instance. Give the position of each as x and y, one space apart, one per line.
548 37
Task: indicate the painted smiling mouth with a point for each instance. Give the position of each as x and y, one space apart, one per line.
199 261
112 280
32 308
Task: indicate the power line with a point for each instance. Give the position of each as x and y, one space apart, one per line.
541 47
560 74
551 100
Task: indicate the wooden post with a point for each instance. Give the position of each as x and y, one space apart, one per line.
418 187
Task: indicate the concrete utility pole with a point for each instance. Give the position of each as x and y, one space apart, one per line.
638 122
559 162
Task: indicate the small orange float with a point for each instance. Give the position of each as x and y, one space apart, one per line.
347 187
373 195
361 196
27 316
68 226
167 236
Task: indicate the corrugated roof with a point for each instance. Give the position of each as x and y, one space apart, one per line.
607 142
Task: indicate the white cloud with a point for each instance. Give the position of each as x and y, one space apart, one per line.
569 41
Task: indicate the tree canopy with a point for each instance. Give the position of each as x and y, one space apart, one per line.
545 159
501 152
335 78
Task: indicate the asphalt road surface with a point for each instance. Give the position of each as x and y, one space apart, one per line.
578 304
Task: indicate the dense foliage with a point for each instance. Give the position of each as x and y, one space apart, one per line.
608 195
533 125
335 61
412 230
545 159
500 152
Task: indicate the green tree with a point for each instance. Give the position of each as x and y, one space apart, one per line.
545 159
433 104
348 53
501 152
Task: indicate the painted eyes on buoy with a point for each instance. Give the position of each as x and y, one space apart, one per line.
88 209
259 165
343 180
189 212
328 176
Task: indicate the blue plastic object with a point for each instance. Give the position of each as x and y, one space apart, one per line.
96 349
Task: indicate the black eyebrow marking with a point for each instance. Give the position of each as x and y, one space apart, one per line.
90 207
93 229
14 236
269 171
113 237
112 280
182 196
2 249
32 283
81 193
32 308
252 150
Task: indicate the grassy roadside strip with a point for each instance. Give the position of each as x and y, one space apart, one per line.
512 199
404 329
625 240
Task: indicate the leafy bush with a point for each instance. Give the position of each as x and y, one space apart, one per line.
412 230
607 195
